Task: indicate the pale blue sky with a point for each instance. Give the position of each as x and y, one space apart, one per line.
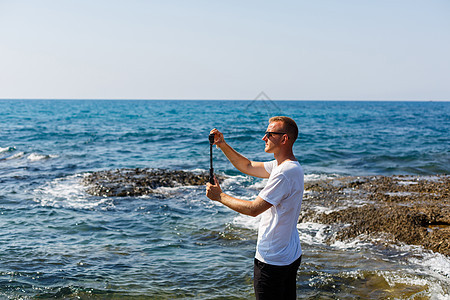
192 49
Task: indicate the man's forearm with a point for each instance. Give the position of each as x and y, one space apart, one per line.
242 163
249 208
239 161
239 205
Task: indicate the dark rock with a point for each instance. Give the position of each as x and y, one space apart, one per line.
138 182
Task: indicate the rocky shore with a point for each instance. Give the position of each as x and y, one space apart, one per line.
410 209
138 182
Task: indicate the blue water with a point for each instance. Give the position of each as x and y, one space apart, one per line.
57 241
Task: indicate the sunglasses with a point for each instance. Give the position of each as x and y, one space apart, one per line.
270 133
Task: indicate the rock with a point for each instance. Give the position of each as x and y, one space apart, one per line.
138 182
411 209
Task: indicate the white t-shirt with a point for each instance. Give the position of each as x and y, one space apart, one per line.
278 238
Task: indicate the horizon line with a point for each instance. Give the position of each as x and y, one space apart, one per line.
218 99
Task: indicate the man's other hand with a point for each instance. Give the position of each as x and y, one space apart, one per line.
213 191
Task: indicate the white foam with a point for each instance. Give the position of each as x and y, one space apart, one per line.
434 178
238 186
408 179
407 182
247 221
435 262
435 265
314 177
7 149
259 185
402 178
313 233
319 234
352 244
232 180
434 289
37 157
324 209
17 155
68 192
171 191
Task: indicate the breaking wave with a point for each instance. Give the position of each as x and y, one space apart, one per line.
68 192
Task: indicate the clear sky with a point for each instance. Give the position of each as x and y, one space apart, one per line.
228 49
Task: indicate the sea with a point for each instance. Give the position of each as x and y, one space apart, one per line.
57 241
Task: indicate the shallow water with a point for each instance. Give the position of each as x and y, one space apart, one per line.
58 241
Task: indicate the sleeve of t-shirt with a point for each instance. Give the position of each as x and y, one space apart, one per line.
276 189
269 165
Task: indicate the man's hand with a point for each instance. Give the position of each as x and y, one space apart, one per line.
218 137
213 191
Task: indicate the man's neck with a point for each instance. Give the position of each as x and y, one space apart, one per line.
282 157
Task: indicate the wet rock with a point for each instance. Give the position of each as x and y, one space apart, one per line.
138 182
411 209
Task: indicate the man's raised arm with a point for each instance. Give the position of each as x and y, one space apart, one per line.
239 161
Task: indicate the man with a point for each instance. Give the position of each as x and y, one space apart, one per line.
278 250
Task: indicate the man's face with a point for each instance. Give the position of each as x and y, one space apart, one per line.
274 140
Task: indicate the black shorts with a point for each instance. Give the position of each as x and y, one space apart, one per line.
275 282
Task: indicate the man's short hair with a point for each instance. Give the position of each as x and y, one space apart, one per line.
289 126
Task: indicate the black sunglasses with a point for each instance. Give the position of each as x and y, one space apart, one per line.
269 133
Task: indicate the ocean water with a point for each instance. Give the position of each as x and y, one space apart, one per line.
59 242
